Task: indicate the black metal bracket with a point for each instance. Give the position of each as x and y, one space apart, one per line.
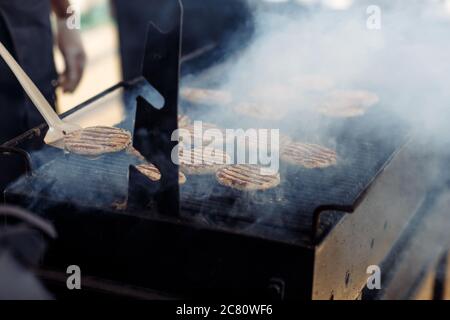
154 127
141 191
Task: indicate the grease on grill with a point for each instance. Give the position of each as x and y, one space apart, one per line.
248 177
94 141
308 155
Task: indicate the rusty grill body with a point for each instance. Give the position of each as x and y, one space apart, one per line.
311 237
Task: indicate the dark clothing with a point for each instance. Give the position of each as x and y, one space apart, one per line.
205 22
25 30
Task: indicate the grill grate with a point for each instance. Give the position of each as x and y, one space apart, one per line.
100 182
103 182
364 146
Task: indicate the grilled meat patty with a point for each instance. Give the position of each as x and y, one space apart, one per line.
149 169
195 137
259 110
151 172
206 96
308 155
273 93
99 140
252 145
247 177
347 104
199 161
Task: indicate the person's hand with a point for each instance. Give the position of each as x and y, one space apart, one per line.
71 47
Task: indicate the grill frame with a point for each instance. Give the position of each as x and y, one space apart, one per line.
89 233
291 258
99 239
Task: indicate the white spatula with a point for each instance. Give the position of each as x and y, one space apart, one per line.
57 128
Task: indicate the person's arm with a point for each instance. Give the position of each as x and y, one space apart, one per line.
70 45
60 8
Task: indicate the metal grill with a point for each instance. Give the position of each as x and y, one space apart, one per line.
103 183
249 242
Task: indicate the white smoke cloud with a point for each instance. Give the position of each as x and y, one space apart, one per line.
405 62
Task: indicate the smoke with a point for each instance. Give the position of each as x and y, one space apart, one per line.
297 57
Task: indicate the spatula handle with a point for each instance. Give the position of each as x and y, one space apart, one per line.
50 116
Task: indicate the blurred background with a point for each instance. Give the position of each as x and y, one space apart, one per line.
100 38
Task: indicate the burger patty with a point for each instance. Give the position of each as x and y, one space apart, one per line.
201 161
259 111
195 137
247 177
255 142
274 93
343 112
206 96
308 155
151 172
97 140
347 104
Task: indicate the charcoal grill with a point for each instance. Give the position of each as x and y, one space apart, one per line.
311 237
